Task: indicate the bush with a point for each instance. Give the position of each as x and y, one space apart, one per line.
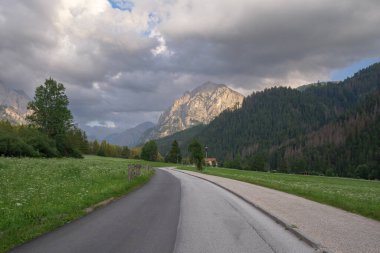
14 146
30 141
150 151
39 141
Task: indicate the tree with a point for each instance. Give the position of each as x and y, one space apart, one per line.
196 154
150 151
50 115
174 155
125 152
50 110
103 149
95 147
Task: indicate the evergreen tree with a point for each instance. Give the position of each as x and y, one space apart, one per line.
196 154
125 152
102 149
95 147
150 151
174 155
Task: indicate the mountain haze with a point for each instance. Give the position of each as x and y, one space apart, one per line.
130 137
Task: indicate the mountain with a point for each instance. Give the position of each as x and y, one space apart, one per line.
199 106
99 132
329 128
130 137
13 105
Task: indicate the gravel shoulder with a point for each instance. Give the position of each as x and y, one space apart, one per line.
332 229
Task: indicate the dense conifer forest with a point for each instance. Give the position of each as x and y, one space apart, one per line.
325 129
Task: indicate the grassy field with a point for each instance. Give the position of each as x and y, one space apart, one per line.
38 195
353 195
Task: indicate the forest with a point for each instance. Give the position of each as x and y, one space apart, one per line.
328 128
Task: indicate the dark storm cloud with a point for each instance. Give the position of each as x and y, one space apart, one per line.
119 66
310 37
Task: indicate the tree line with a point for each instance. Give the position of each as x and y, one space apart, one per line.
51 132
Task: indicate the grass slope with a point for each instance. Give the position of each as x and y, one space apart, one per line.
38 195
353 195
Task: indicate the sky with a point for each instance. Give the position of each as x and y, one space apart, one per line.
123 62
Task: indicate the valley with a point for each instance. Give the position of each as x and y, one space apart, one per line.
189 126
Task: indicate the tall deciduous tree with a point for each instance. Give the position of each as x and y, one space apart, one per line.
50 110
196 154
150 151
174 155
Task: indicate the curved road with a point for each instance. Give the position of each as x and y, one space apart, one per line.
174 212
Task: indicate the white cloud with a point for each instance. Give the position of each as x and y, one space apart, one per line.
106 124
161 49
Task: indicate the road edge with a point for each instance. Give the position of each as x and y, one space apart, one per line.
318 247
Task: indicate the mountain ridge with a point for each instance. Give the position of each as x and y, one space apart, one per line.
278 128
199 106
130 137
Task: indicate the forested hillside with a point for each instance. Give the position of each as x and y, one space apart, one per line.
329 128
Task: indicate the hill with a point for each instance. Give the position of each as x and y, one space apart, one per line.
130 137
277 129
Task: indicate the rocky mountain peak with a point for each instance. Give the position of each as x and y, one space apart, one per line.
208 87
199 106
13 105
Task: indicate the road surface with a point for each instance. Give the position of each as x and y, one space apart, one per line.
145 220
174 212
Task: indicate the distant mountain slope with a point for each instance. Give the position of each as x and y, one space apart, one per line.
349 145
200 106
273 128
10 114
13 105
130 137
183 137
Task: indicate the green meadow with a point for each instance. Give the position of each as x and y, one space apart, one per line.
38 195
353 195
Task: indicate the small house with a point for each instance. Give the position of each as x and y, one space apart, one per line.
211 162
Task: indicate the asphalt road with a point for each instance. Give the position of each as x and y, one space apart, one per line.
174 212
145 220
214 220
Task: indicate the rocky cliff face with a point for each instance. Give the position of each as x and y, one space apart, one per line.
199 106
13 105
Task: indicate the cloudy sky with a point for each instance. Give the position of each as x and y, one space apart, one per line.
125 61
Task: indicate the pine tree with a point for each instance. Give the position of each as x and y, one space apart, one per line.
196 154
174 155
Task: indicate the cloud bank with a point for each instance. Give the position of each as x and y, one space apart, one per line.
124 62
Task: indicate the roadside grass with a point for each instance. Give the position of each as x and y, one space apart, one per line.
39 195
353 195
